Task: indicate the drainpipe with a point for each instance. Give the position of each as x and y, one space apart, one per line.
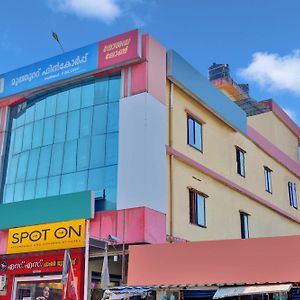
123 251
86 261
170 144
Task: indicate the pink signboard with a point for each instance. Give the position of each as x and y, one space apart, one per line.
120 49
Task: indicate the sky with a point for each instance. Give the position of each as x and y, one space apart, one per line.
259 39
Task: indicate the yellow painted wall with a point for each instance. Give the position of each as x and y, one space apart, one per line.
222 210
273 129
219 142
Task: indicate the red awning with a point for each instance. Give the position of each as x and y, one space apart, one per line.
259 260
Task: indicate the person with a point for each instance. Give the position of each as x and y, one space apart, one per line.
46 293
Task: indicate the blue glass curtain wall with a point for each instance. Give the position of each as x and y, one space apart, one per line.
65 142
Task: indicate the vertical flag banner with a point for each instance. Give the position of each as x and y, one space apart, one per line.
71 291
66 267
68 278
105 280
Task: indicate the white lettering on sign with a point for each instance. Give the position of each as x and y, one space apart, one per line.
59 66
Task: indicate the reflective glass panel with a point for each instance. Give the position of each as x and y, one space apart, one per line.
28 129
97 151
114 90
101 92
83 153
60 128
22 166
88 92
53 186
29 115
111 157
50 106
69 163
41 188
96 180
65 142
68 182
37 137
40 110
19 191
56 159
33 163
13 166
86 120
75 98
49 131
18 140
73 125
9 193
29 190
44 162
62 102
100 119
113 117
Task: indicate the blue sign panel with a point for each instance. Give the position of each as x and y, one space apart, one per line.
57 68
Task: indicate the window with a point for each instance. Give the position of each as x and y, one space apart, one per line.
244 225
240 161
292 194
57 143
268 180
194 133
197 208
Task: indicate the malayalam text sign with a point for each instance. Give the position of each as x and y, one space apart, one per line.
113 52
120 49
56 68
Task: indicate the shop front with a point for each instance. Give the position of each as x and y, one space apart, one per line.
33 264
38 276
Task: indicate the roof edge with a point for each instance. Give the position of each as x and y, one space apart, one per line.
282 115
